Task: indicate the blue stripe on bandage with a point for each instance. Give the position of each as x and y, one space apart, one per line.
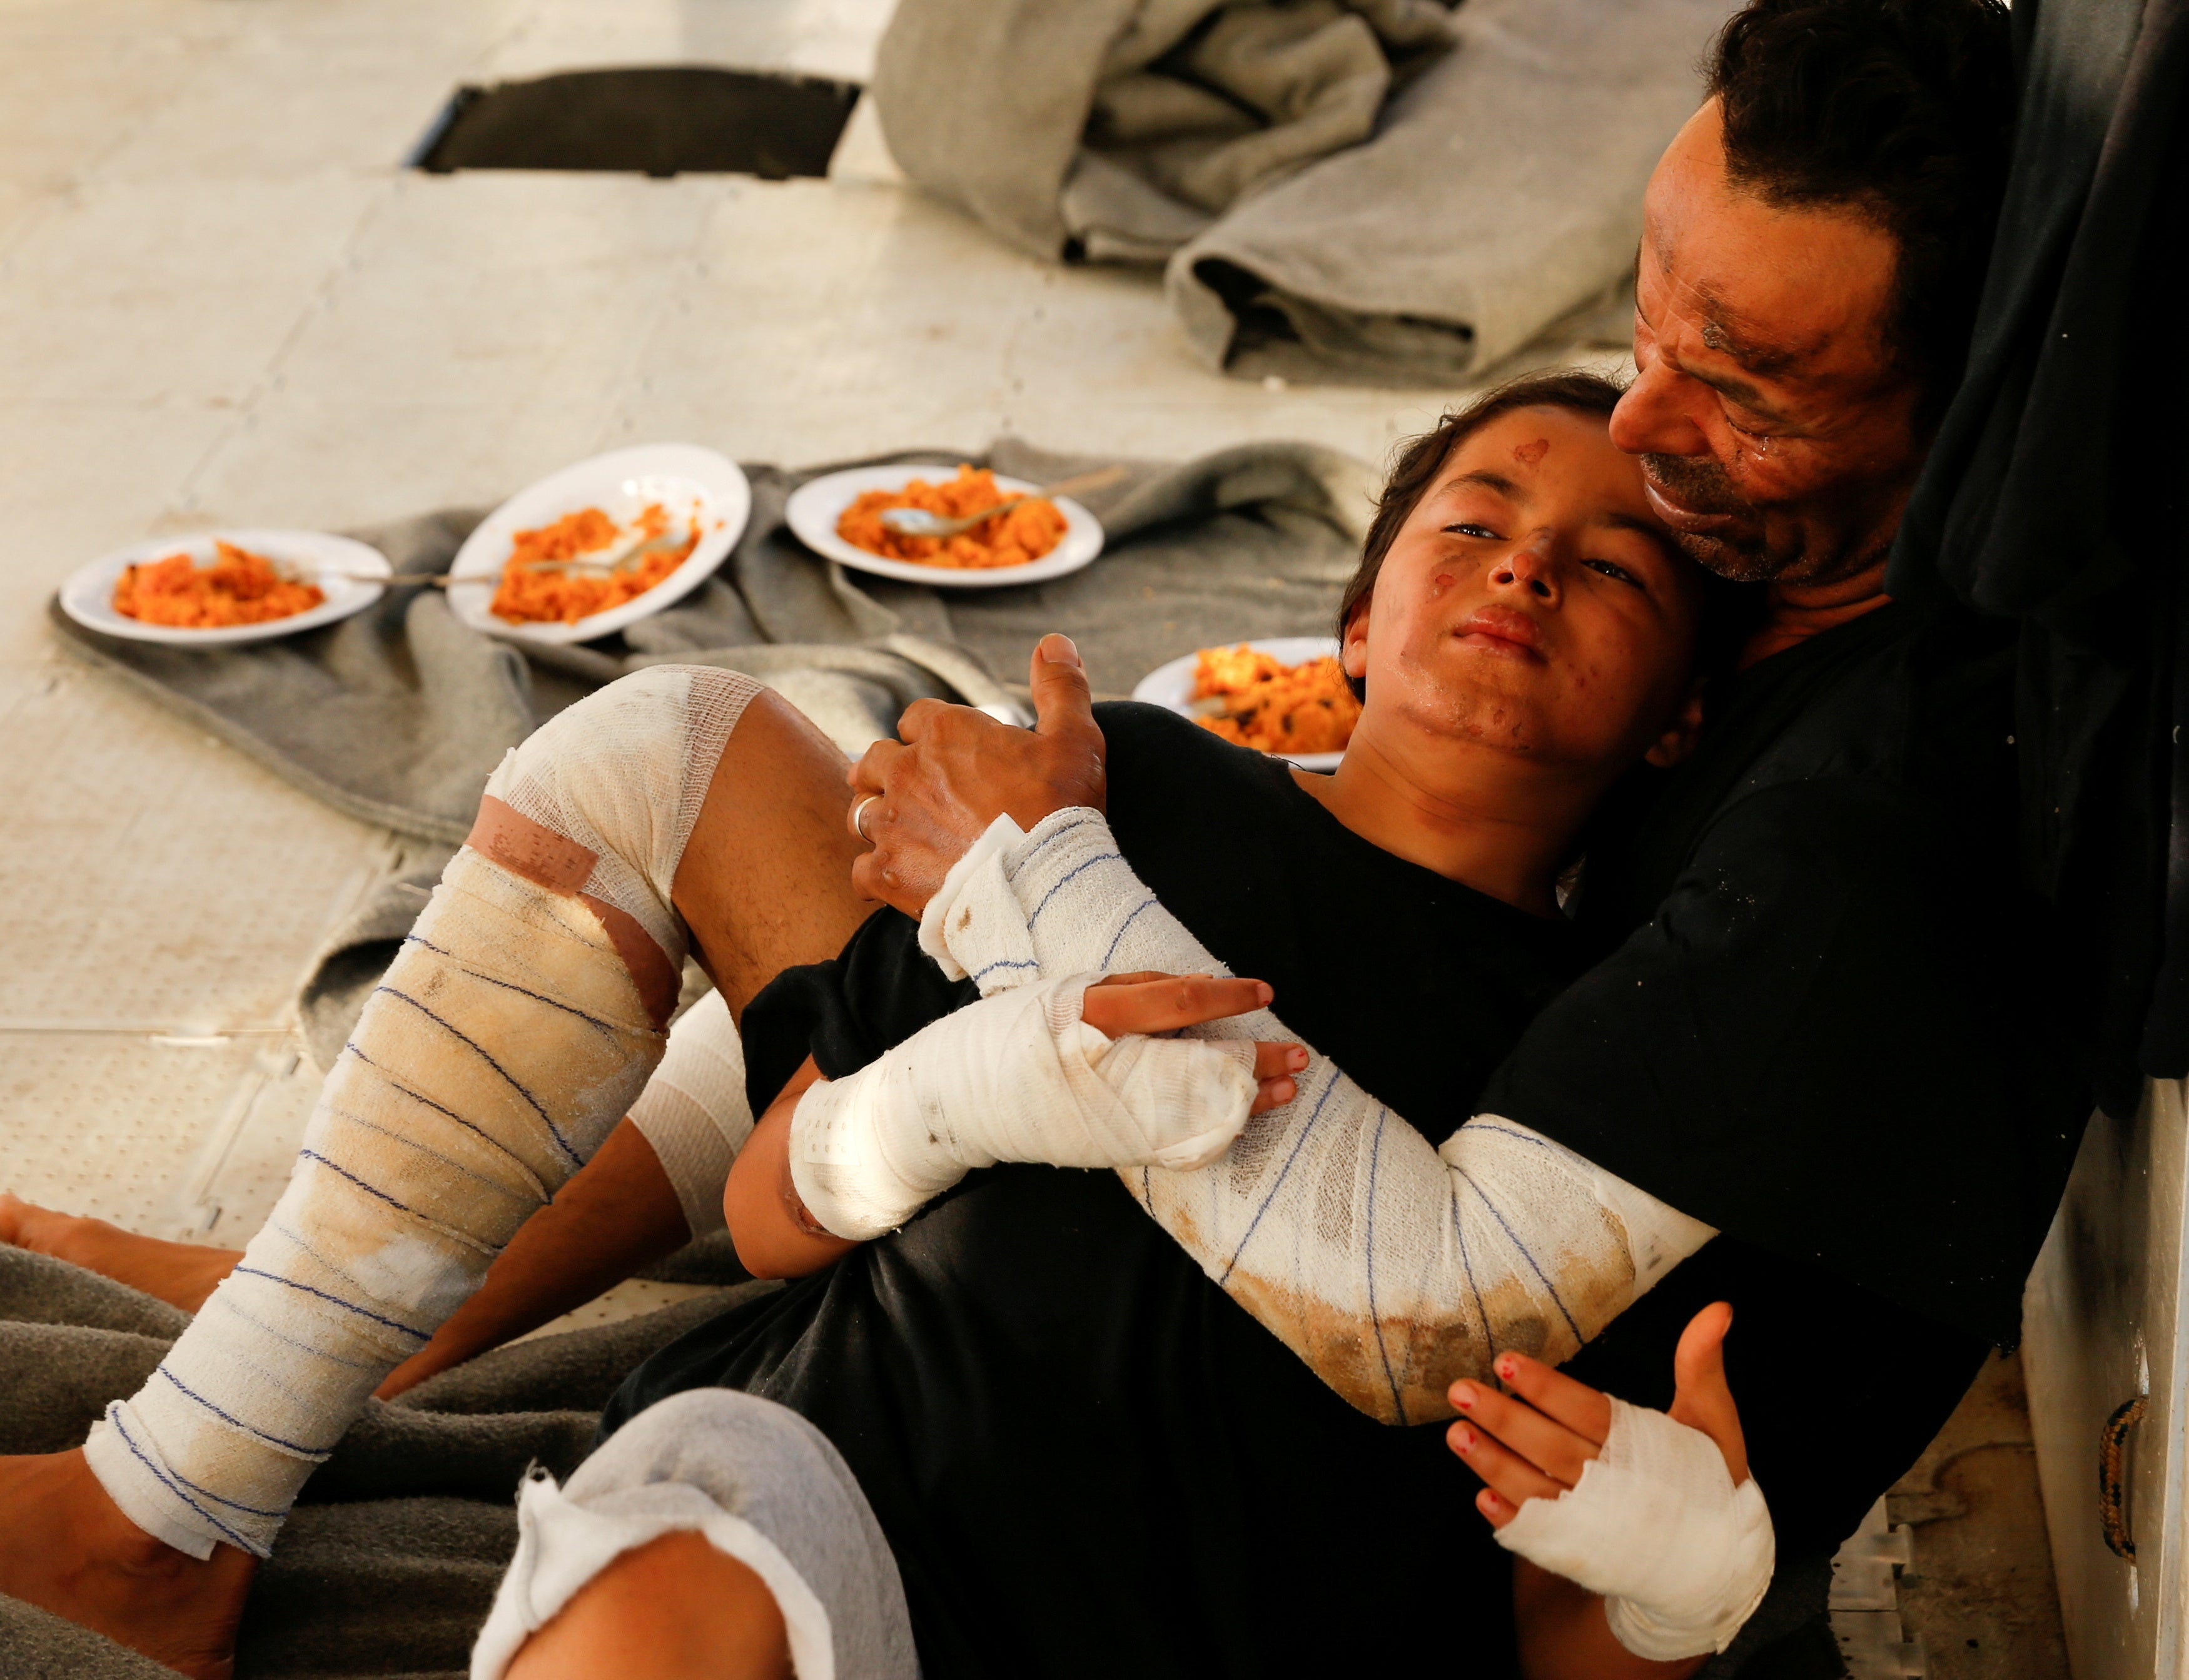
318 1454
347 1306
479 1050
114 1416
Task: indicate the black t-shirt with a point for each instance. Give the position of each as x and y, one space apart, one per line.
1088 1459
1824 1023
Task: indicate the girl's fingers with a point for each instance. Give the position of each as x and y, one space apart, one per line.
1273 1094
1165 1003
1544 1443
1504 1470
1496 1507
1274 1061
1585 1410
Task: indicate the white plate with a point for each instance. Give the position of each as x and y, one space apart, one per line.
815 506
88 596
1172 685
621 483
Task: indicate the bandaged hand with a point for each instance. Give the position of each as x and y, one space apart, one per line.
1023 1076
1655 1513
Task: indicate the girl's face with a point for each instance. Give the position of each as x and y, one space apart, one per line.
1533 604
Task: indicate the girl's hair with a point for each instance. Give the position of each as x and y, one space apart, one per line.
1421 459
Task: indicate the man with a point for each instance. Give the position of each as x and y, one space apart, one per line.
1806 278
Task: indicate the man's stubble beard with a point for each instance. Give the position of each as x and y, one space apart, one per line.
1703 486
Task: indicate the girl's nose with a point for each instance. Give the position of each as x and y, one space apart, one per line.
1529 568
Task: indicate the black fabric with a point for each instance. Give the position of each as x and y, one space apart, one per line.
653 119
1088 1459
1831 1034
2053 498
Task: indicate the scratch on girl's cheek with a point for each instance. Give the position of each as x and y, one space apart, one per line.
1438 583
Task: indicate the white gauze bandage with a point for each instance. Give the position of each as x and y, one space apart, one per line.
694 1111
1655 1525
519 1021
1017 1077
1391 1266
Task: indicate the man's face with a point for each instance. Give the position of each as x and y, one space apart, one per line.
1776 432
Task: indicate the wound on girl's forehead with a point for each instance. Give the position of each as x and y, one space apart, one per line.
1529 454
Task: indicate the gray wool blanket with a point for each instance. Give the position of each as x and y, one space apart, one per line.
1375 192
398 714
389 1566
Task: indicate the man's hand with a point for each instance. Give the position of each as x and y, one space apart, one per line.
923 803
1534 1442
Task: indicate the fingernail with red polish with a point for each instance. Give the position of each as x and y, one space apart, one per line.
1462 1397
1466 1440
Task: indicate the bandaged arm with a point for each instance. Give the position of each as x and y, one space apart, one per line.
1391 1266
1019 1076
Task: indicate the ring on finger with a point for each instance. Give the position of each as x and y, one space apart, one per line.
859 819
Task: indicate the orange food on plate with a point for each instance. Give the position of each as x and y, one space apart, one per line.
1272 706
1015 537
534 588
238 588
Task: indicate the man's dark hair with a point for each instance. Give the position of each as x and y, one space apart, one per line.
1900 110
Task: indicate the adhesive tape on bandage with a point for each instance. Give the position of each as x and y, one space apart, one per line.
1655 1525
1017 1076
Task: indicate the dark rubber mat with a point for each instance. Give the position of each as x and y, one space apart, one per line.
667 121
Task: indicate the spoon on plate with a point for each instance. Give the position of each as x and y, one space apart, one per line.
918 522
614 558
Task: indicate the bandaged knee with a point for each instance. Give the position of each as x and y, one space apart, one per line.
1681 1556
694 1111
1017 1076
1391 1266
515 1028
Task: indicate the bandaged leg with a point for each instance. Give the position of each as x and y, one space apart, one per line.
1655 1525
1391 1266
511 1035
763 1485
1017 1077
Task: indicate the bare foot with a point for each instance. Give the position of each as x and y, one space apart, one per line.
67 1548
181 1274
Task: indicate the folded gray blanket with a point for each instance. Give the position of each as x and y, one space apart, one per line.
387 1568
1363 191
398 714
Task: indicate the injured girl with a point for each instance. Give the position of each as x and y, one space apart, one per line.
1085 1456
